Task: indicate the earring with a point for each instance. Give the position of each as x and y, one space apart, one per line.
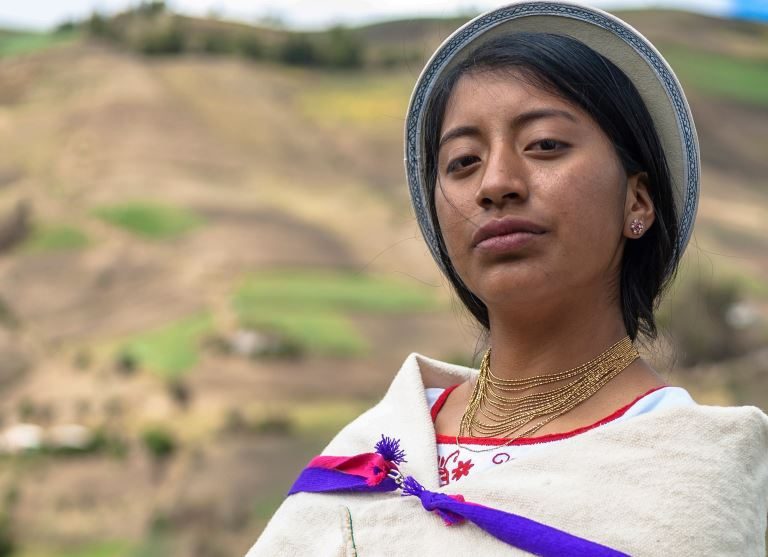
637 227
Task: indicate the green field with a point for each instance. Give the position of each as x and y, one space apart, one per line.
153 546
55 238
358 100
311 307
318 331
13 43
97 549
739 79
150 220
172 350
337 290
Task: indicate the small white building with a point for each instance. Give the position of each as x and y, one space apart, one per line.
21 437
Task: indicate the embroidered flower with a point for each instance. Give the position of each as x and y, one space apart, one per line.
462 469
442 467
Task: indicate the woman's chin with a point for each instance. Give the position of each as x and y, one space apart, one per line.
514 284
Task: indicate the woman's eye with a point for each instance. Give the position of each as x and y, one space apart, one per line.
547 145
461 163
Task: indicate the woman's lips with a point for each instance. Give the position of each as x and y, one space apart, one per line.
506 234
506 242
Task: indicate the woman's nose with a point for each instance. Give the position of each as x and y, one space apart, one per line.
502 181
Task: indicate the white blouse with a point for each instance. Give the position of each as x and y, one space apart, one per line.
476 455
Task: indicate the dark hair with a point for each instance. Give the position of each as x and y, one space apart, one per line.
568 68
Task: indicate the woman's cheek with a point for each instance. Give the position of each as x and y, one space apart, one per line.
450 223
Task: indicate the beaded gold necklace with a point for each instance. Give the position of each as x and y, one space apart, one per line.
490 413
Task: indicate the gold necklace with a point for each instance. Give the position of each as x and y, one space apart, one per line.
504 416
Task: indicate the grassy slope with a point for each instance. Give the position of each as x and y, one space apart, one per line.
721 75
14 43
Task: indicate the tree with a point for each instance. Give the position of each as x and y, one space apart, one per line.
298 50
343 49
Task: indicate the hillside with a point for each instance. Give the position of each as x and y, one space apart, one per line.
210 262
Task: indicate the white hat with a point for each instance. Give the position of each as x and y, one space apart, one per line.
607 35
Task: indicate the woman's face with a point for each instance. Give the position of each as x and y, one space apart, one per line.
531 197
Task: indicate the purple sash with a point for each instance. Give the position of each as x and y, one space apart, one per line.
378 472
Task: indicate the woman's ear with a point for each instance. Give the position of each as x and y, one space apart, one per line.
639 213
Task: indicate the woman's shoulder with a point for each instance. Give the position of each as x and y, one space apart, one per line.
726 421
404 408
722 438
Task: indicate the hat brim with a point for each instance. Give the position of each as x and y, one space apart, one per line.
604 33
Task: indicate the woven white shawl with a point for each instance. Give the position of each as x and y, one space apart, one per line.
675 482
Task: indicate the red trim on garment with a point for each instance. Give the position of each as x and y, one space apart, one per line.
451 440
438 405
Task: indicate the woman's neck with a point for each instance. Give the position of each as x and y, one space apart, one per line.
543 342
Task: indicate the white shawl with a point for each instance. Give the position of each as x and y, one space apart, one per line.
674 482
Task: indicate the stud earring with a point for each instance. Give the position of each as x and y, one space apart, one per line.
637 227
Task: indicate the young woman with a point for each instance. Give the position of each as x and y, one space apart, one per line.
553 167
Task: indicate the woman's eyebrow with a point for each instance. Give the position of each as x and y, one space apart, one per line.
517 122
460 131
527 117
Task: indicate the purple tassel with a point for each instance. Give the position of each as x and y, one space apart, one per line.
389 449
431 501
412 487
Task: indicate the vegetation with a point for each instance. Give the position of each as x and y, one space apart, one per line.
55 238
92 549
101 443
740 79
309 307
17 43
317 331
152 30
332 290
217 42
297 418
265 507
153 546
251 46
180 392
371 101
159 442
8 317
169 351
699 319
342 48
7 543
276 424
298 50
107 443
336 48
168 39
150 220
325 418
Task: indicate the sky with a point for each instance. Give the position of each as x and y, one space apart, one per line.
313 14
